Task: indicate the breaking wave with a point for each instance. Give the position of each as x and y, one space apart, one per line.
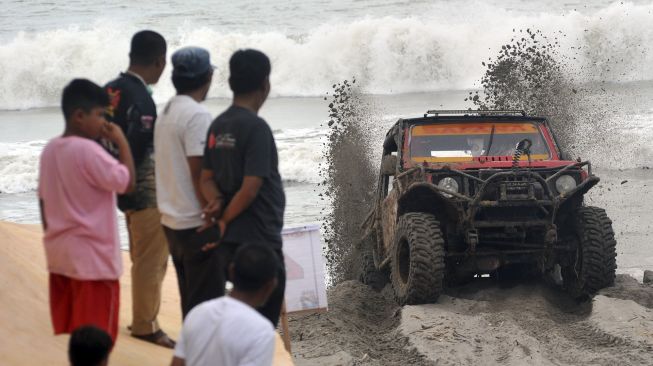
439 51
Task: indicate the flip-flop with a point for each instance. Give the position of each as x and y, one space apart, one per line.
159 338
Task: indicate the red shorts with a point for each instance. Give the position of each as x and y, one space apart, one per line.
74 303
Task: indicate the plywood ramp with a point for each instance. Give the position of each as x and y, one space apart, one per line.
26 336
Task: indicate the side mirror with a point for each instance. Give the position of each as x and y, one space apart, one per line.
389 165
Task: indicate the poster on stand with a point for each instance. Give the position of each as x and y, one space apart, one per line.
305 269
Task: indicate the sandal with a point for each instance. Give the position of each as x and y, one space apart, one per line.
159 338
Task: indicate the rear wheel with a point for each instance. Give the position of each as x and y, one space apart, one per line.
418 265
595 258
368 272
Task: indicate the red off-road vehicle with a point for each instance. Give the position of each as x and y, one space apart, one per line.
466 193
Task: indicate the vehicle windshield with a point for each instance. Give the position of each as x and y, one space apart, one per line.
465 141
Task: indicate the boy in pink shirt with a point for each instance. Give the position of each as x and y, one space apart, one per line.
78 181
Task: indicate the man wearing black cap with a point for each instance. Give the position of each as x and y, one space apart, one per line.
133 109
240 176
179 140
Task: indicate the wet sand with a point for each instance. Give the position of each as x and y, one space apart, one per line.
26 328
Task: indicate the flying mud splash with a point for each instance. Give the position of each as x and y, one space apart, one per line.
531 73
348 176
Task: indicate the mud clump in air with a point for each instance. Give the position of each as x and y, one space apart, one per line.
529 74
348 177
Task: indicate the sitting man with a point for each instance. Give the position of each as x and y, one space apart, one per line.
228 330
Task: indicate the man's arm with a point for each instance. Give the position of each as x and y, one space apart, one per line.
114 133
211 194
44 222
241 201
256 168
243 198
195 164
176 361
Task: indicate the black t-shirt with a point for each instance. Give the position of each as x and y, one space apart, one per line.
240 144
133 109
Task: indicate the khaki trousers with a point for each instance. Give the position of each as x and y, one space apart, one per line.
148 250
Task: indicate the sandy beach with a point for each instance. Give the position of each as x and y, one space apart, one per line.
25 317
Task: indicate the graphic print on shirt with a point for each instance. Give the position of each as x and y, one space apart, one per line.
222 141
114 100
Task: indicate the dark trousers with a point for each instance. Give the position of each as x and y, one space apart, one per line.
198 273
272 309
202 276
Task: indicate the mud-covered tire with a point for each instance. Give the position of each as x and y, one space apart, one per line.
417 266
368 273
596 257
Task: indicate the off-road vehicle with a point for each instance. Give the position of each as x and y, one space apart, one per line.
468 193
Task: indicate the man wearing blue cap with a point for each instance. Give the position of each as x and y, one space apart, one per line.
179 139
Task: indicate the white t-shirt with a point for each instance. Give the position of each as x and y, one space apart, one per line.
180 132
226 332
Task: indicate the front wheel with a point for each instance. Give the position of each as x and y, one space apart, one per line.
418 259
594 265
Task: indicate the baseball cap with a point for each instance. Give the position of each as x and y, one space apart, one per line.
191 62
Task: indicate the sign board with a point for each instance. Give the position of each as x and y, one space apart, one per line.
305 282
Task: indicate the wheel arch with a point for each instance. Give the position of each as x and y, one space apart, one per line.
422 197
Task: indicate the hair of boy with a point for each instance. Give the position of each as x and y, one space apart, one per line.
186 85
254 266
82 94
88 346
146 48
248 69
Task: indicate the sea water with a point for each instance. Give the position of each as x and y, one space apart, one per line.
408 56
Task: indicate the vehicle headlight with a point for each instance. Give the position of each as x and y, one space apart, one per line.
449 184
565 184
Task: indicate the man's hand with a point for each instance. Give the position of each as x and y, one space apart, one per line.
222 227
113 133
213 209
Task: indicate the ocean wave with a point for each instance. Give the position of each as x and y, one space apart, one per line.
300 155
439 51
19 164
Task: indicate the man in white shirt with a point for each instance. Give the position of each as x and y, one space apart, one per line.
179 139
228 331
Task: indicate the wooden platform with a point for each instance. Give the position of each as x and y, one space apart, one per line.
25 327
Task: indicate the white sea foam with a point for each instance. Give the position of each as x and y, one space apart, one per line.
19 166
441 50
300 153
